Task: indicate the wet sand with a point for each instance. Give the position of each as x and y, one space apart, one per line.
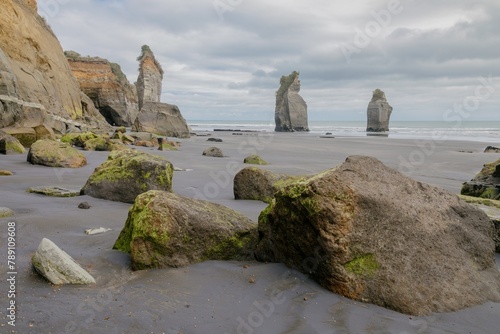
211 297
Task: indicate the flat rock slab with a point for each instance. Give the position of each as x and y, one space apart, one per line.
100 230
6 173
57 266
54 191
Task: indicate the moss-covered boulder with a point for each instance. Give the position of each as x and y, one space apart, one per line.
10 144
6 212
78 139
167 230
44 131
486 184
26 136
214 152
255 160
370 233
128 173
259 184
55 154
102 144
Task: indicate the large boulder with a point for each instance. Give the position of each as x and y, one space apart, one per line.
259 184
10 144
162 119
370 233
26 136
55 154
214 152
291 109
167 230
486 184
379 113
57 266
128 173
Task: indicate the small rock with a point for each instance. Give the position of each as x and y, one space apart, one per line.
6 213
492 149
255 160
217 140
54 191
57 266
252 280
6 173
213 152
100 230
84 205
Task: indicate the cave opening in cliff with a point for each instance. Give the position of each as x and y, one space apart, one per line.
108 114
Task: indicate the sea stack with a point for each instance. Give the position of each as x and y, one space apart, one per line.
379 113
155 117
291 109
150 77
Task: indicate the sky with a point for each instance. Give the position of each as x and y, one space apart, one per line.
435 60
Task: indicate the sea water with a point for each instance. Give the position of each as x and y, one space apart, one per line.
432 130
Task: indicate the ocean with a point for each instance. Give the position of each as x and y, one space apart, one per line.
430 130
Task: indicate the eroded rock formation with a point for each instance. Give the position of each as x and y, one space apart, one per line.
107 86
370 233
150 77
36 84
486 184
291 109
379 113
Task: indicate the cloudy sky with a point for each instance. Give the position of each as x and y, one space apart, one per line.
435 60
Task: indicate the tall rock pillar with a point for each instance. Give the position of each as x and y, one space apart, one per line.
291 109
379 113
150 77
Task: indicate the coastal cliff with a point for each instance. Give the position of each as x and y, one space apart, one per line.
150 77
291 109
36 83
107 86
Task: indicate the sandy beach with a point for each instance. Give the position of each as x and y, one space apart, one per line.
211 297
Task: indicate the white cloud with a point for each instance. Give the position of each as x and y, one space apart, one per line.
427 57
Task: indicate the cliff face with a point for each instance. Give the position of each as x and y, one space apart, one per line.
379 113
107 86
291 109
36 84
150 77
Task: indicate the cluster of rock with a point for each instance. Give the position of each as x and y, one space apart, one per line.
291 109
379 113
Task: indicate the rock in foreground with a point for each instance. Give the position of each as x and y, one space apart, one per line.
128 173
369 233
57 266
167 230
55 154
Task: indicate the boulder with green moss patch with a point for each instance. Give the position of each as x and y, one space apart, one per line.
51 153
167 230
10 144
128 173
370 233
486 184
254 160
78 139
257 184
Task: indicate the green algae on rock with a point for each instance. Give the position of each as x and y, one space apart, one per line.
486 183
167 230
10 144
128 173
370 233
55 154
255 160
